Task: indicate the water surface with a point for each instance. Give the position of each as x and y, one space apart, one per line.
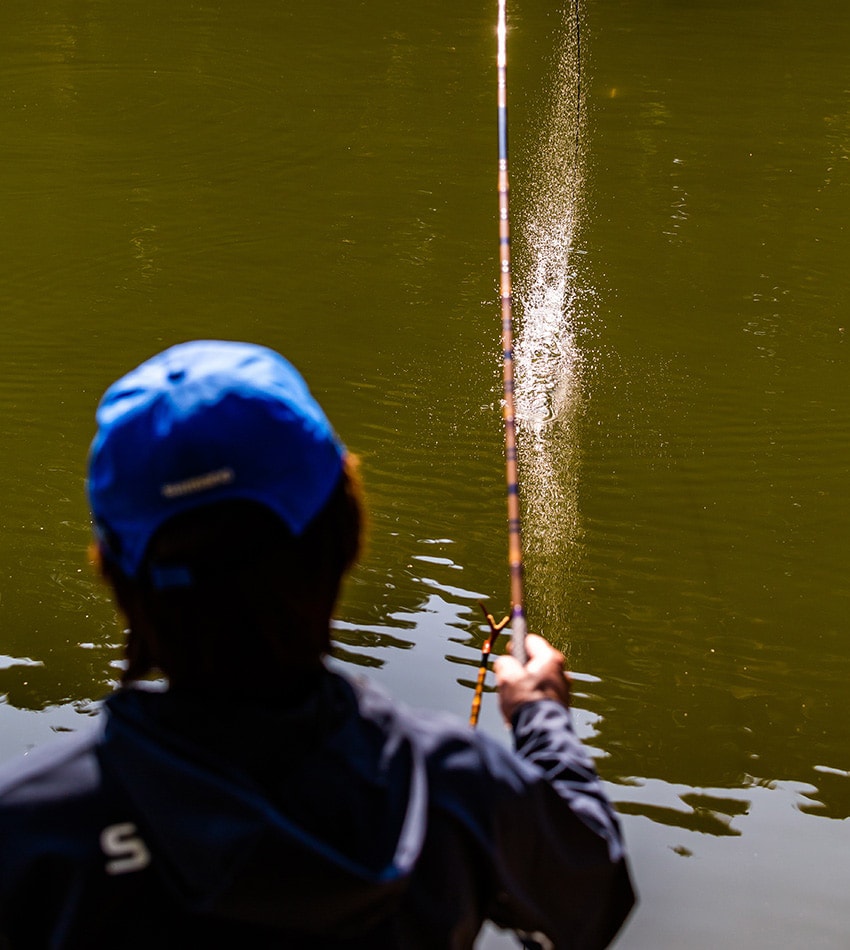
323 181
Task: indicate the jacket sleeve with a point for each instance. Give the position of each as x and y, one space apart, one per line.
557 843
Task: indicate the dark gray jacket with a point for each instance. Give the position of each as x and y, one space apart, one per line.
346 822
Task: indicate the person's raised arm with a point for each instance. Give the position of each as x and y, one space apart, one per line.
562 854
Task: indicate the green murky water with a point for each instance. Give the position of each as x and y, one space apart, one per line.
323 181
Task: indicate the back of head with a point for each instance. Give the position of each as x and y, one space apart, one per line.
226 513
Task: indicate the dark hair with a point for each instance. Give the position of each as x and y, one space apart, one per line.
226 594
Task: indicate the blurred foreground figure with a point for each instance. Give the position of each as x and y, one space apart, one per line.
261 800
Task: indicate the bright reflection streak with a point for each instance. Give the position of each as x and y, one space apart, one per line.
548 362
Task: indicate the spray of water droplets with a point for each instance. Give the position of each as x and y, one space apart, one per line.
547 359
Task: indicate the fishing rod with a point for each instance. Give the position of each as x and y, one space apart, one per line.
519 626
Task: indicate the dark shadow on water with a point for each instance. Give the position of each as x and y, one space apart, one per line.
708 815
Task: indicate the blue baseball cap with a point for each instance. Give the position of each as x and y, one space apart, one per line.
204 422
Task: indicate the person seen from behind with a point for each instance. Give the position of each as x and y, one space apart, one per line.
234 790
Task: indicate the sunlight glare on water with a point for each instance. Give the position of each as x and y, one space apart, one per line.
547 357
548 363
